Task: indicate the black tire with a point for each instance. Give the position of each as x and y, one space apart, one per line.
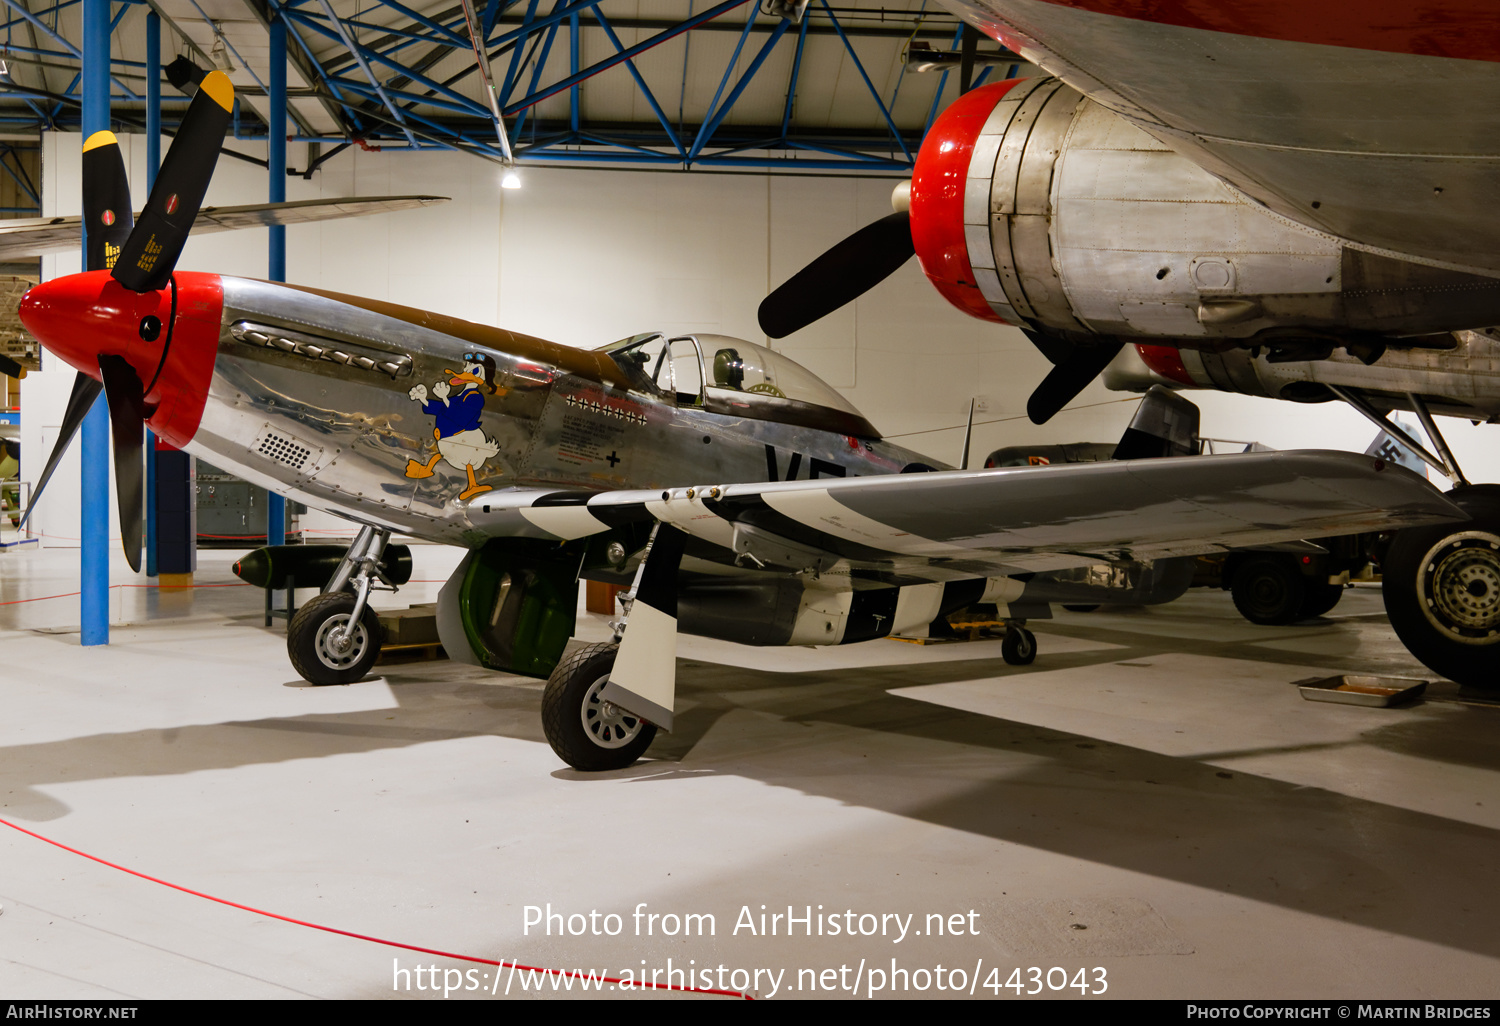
309 644
1268 590
586 733
1319 599
1078 608
1442 591
1019 647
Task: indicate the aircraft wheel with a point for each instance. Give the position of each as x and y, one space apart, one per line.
1319 599
1080 607
1019 647
1442 591
586 732
1268 590
319 648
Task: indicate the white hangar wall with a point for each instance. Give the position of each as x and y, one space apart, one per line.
585 257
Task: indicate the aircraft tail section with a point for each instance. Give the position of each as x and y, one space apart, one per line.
1166 424
1388 447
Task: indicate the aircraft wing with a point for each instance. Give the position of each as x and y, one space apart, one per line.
34 236
959 524
911 528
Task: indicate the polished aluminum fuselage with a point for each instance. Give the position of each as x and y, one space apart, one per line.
311 396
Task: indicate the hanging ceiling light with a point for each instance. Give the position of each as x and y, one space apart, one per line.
511 179
791 10
219 52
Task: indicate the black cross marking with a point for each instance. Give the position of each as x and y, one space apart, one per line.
613 458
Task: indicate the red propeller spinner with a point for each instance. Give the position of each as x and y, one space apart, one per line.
167 337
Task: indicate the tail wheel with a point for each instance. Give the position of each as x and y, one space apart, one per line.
587 732
1019 647
1442 591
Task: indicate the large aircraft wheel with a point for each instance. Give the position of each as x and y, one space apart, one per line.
1268 590
585 731
1019 647
1319 599
1442 590
322 648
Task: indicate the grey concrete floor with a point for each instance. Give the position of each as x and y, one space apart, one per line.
1150 806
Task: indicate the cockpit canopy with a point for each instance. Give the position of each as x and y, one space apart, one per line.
731 376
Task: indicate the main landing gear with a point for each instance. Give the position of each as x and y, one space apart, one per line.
335 638
1442 583
587 732
1442 590
584 725
1270 589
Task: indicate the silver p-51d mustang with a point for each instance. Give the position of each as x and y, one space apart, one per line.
745 498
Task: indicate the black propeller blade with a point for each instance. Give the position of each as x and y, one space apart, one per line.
106 201
1071 376
107 223
152 250
125 395
844 273
85 391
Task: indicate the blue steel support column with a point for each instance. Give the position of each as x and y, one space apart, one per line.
276 168
94 500
572 70
153 161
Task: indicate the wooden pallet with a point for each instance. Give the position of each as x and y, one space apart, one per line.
417 653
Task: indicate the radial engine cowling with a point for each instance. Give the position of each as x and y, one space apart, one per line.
1034 206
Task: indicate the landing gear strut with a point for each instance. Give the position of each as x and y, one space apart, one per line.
335 638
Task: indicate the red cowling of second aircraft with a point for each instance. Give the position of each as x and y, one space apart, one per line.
1166 361
84 316
937 197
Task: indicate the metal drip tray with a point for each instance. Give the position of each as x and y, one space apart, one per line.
1358 689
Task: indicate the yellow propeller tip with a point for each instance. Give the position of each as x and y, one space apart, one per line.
217 85
98 139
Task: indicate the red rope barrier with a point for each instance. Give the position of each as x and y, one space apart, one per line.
112 587
40 598
625 984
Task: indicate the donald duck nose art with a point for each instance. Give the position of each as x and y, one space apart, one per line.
460 440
